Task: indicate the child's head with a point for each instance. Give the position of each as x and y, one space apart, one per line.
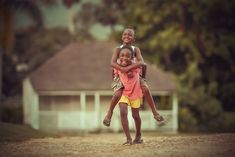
128 36
125 56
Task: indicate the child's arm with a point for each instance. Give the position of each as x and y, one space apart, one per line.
144 71
140 60
114 63
139 63
135 65
114 58
138 55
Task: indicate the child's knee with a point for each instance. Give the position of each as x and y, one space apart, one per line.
123 110
123 113
118 93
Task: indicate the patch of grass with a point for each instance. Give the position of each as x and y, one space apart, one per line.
16 132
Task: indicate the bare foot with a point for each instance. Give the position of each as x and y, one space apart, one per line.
106 121
160 119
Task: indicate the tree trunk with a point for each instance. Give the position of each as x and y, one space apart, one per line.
1 55
7 39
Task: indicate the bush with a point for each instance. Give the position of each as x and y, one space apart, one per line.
201 112
187 122
229 121
11 115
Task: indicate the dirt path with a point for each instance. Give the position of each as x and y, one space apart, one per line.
109 144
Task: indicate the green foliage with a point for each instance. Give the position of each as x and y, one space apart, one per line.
11 114
206 109
229 121
187 122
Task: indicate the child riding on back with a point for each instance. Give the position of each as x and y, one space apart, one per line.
128 36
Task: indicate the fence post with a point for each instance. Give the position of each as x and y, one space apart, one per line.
175 112
83 110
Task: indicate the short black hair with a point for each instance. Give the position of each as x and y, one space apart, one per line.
130 27
129 48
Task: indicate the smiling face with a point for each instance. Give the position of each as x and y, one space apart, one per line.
128 36
125 57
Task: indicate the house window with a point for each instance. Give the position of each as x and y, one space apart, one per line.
90 103
105 102
162 103
59 103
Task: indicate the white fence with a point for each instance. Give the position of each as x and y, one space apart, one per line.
92 121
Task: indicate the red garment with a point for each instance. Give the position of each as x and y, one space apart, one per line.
132 88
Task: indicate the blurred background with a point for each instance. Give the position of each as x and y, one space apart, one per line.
193 40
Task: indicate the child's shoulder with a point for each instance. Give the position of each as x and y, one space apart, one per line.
132 46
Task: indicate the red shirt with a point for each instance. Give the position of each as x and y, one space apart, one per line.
132 88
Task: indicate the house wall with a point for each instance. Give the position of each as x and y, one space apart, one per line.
68 103
85 110
65 112
53 107
30 104
59 103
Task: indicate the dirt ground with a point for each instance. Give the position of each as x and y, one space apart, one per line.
110 144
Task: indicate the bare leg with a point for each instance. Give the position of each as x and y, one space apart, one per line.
152 105
137 119
116 97
149 99
124 121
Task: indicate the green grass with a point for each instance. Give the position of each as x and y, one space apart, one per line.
14 132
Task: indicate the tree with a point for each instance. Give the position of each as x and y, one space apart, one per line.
7 34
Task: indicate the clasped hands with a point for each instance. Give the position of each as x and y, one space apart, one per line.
132 66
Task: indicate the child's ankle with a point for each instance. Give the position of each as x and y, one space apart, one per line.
156 114
137 136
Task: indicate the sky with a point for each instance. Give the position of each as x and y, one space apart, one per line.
57 16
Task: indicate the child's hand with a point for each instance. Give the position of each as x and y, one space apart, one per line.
124 69
130 74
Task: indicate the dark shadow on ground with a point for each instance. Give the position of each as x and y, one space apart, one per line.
15 132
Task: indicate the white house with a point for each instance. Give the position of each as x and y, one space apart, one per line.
72 90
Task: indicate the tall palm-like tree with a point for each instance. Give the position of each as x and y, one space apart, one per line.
8 9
